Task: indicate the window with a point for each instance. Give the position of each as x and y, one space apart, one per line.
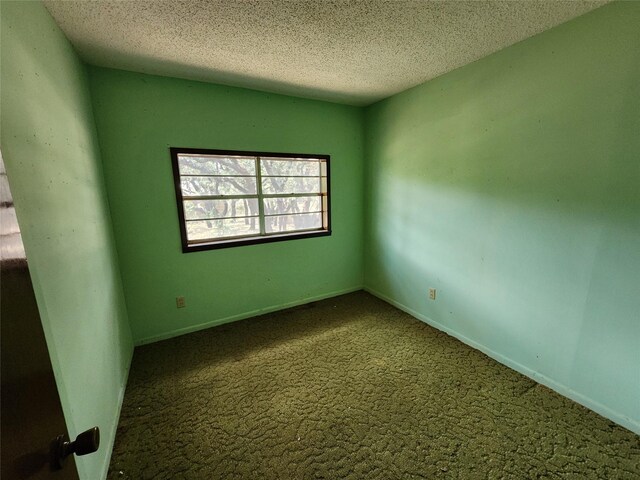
231 198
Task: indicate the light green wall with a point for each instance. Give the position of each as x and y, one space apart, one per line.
512 185
51 153
138 117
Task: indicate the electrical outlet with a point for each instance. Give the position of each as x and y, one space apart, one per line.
180 302
432 294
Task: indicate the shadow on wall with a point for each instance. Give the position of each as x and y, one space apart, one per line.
565 153
511 185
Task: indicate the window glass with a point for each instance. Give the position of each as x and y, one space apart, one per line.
237 198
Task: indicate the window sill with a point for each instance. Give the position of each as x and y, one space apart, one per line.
198 247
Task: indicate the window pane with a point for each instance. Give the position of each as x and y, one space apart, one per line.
216 165
240 207
273 185
306 168
288 223
281 205
195 186
227 227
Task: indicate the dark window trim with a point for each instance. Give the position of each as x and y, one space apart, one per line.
198 247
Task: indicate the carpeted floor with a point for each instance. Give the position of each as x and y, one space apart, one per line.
350 388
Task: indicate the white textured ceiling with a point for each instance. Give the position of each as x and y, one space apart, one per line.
348 51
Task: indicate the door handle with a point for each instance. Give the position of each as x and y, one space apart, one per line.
85 443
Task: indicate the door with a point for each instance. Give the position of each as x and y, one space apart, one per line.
31 413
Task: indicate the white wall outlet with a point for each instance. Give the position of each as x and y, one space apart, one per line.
180 302
432 294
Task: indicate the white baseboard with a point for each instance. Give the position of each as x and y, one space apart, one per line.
242 316
629 423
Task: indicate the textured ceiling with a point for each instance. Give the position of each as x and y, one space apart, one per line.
348 51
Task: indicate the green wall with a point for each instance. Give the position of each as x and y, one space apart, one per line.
138 117
512 185
51 153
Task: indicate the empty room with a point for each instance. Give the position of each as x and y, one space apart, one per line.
309 239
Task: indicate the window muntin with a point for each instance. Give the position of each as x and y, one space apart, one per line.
228 198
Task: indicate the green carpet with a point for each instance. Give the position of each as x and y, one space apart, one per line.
350 387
